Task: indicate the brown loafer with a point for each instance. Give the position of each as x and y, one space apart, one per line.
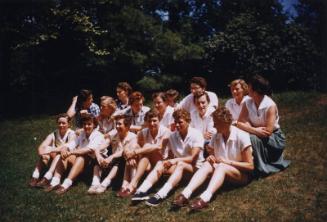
61 190
180 201
33 182
44 182
124 193
198 204
51 188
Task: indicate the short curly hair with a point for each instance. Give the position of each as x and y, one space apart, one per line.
181 114
243 84
222 114
125 86
152 113
89 117
109 101
127 119
135 97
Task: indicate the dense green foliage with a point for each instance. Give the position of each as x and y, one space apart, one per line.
50 49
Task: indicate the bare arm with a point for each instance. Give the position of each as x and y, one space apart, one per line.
247 160
45 143
189 159
245 125
71 110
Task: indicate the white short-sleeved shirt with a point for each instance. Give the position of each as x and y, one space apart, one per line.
183 148
237 141
257 117
234 108
106 125
95 141
130 141
167 118
138 118
203 124
163 132
57 140
188 102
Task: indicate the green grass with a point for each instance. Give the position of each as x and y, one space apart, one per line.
297 194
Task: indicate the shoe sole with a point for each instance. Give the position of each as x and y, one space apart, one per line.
151 205
140 198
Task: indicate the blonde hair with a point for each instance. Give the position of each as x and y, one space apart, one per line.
222 114
243 84
109 101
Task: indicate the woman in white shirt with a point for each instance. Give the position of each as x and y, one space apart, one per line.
259 117
239 91
49 151
150 140
165 111
77 154
185 156
230 160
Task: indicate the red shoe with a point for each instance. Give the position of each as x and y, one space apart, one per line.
180 201
51 188
61 190
44 182
198 204
33 182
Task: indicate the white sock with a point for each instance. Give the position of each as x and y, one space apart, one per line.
187 192
106 182
55 181
48 175
67 183
146 185
206 196
163 192
95 181
36 173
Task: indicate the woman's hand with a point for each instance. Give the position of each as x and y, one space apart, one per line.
262 132
132 163
64 154
168 163
212 159
105 162
207 135
128 154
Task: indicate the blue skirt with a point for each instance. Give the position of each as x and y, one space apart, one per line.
268 154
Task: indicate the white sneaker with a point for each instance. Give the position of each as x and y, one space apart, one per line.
100 189
92 189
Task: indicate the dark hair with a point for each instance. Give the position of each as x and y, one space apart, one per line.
127 119
182 113
199 81
222 114
172 93
83 95
126 87
198 95
135 97
152 113
162 95
260 85
89 117
63 115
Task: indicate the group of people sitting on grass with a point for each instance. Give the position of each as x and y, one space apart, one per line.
195 139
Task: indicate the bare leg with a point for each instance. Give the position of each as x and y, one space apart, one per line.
141 168
177 175
198 178
77 168
221 172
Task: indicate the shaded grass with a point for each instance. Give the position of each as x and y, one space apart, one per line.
297 194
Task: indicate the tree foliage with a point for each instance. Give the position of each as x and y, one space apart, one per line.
50 49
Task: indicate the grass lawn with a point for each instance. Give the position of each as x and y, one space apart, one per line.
297 194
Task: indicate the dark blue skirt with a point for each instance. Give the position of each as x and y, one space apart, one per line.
268 154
